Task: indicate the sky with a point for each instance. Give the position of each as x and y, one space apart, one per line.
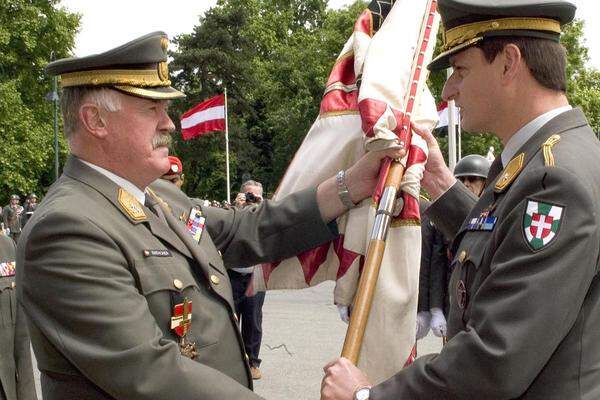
109 23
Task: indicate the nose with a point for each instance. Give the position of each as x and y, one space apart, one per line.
449 91
166 124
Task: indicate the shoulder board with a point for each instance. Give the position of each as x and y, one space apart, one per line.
512 170
131 205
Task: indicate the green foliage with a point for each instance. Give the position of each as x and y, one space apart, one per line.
274 57
583 82
29 32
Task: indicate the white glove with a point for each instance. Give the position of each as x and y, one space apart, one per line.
423 319
438 322
344 312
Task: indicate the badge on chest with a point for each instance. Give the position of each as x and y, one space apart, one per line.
485 222
195 223
7 269
181 323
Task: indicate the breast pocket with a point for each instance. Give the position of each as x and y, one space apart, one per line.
466 278
166 282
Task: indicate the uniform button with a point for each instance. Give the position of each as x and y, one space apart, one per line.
235 317
220 254
462 256
177 283
13 284
247 358
215 279
146 253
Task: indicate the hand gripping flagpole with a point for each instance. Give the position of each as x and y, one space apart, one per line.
391 173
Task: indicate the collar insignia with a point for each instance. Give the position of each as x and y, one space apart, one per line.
509 174
131 205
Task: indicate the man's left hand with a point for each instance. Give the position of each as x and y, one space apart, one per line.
342 379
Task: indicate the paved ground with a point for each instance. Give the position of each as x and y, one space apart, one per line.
301 333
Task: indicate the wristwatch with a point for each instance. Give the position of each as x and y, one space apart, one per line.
343 192
363 393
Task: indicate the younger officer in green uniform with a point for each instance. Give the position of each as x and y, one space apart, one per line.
16 373
524 319
121 276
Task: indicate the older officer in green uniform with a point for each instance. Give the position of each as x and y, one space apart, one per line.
122 279
524 321
16 373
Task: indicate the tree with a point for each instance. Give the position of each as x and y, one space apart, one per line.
29 31
274 58
583 82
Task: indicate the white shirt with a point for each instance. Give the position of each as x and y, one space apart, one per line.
121 182
526 132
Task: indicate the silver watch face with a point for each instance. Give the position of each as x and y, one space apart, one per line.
362 394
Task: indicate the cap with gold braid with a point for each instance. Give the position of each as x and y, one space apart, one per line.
468 22
138 68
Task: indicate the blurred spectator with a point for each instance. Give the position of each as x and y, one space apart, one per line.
30 207
248 307
12 215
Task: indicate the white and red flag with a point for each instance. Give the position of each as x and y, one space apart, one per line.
444 114
206 117
378 76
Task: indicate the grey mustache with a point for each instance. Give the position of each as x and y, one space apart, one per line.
161 140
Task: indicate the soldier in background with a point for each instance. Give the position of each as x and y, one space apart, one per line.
16 373
175 173
12 216
472 171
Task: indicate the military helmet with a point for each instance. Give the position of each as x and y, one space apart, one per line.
15 197
472 165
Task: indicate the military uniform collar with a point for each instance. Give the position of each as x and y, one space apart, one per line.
119 181
526 132
566 121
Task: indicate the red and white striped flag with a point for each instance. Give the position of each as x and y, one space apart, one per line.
206 117
355 118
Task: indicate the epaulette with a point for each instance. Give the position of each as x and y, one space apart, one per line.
547 150
512 170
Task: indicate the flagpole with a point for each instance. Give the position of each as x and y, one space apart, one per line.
451 129
227 150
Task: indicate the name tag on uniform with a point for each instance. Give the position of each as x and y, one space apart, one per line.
157 253
195 223
7 268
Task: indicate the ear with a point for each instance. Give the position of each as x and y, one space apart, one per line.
92 120
512 61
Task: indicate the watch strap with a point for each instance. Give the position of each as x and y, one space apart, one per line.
343 192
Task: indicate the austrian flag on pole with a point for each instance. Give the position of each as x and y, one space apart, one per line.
206 117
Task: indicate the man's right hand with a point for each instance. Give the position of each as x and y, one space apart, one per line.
437 177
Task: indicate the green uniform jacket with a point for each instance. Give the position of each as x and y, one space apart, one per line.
526 323
99 284
16 372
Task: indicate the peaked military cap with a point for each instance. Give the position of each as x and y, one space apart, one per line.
138 68
467 22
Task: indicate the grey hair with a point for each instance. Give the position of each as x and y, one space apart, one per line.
250 183
73 97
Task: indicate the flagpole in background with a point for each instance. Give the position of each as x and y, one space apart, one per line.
451 130
227 150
